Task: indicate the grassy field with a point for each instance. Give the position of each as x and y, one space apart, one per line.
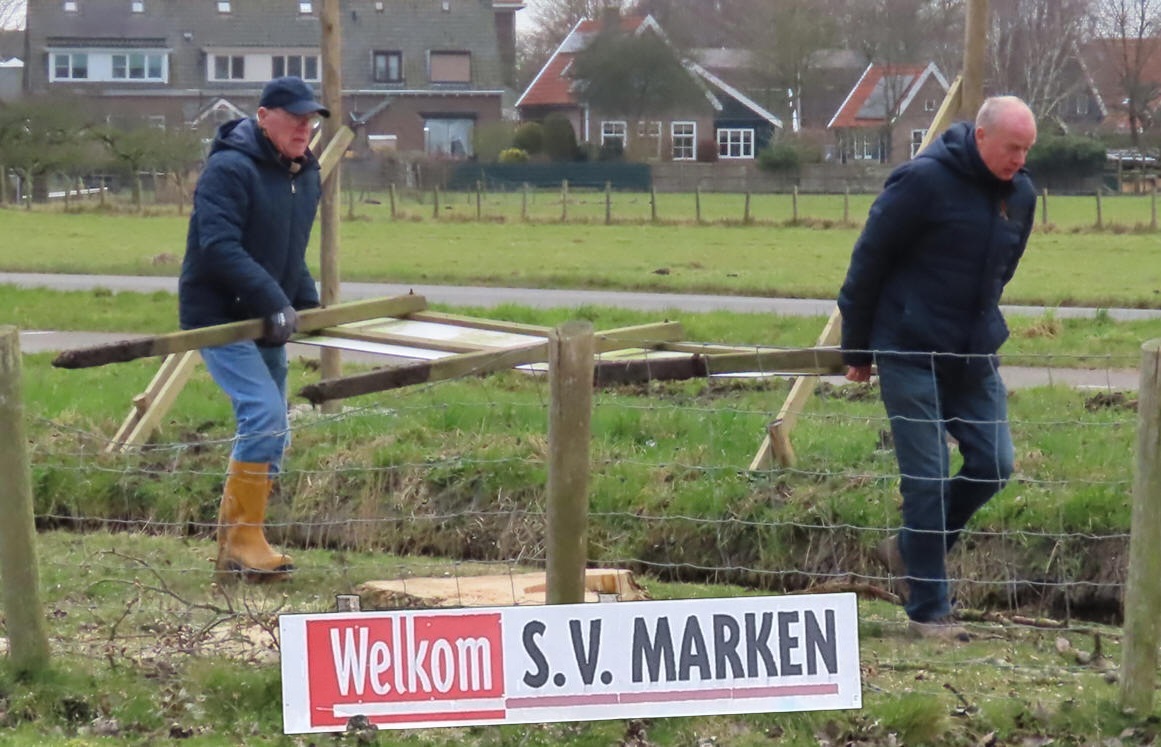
448 479
1064 264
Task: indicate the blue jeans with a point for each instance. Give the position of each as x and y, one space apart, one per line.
254 378
926 398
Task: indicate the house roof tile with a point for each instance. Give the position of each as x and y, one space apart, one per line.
866 104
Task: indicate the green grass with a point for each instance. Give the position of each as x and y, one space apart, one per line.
766 260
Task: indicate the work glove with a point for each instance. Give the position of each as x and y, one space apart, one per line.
279 326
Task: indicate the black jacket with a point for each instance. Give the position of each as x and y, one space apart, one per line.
939 245
245 254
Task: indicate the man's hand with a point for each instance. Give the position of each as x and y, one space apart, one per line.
279 326
860 374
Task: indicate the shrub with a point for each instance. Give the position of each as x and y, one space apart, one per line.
529 137
613 150
489 139
1066 156
780 158
707 150
559 138
513 155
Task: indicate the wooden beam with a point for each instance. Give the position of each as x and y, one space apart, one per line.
152 404
492 325
222 334
974 56
806 360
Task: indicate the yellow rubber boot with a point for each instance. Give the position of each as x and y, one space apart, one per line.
242 546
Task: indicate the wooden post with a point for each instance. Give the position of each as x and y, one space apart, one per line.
1044 207
608 203
524 202
1153 207
974 56
794 204
697 203
652 203
391 195
847 204
564 200
1142 591
570 368
19 575
746 210
330 359
435 202
1100 218
479 200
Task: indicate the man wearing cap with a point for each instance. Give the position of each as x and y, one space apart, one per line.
245 258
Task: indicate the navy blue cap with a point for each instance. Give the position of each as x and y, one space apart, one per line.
292 94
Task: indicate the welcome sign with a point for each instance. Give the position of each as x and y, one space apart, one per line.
458 667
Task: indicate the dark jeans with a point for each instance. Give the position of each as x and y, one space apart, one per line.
927 397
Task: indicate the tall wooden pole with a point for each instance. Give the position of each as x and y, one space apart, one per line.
330 207
19 576
974 51
1142 592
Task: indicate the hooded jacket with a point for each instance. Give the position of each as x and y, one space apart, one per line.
939 245
245 254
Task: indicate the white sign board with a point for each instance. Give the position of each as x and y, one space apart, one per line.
583 662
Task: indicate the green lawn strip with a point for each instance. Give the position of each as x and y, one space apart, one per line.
762 260
146 650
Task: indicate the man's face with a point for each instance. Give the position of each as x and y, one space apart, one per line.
1004 146
290 133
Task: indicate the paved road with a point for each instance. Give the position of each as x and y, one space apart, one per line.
1015 377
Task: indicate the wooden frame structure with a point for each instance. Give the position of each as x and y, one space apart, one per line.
776 446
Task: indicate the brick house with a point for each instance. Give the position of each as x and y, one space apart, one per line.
424 73
735 124
888 112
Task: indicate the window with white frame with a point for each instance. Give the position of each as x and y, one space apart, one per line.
70 6
137 6
304 66
929 105
917 141
865 146
139 66
223 6
306 7
1082 105
735 142
227 67
684 136
387 67
70 66
156 121
614 132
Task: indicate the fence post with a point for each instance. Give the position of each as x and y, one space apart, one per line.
746 210
27 636
1044 209
697 203
652 203
564 200
1142 591
479 203
524 202
435 202
570 371
391 192
794 205
1153 208
1100 221
608 203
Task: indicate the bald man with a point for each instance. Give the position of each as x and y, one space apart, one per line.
921 301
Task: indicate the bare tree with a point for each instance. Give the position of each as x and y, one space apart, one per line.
1128 30
12 14
1034 44
552 20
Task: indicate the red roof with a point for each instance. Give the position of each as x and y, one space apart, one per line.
552 85
1107 60
865 104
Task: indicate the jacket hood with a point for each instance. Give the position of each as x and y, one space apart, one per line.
244 135
956 148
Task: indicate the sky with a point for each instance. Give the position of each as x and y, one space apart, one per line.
12 13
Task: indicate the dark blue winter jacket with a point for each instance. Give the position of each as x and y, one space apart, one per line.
939 245
245 254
